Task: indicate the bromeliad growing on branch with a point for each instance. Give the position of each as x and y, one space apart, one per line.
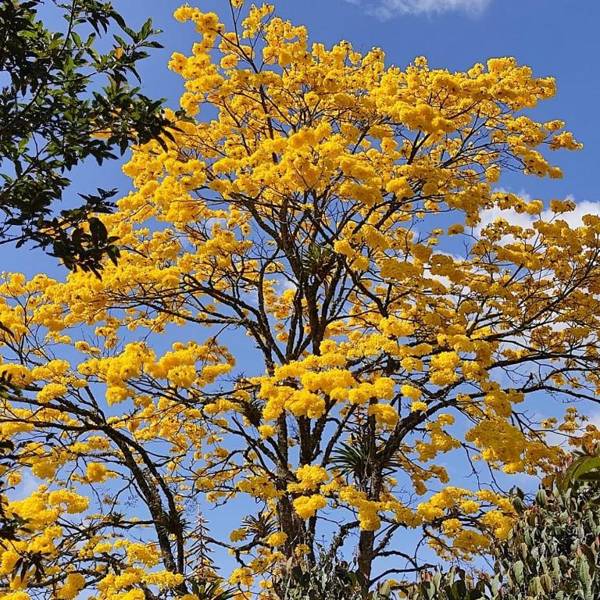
320 222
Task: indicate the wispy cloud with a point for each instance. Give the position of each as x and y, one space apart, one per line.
388 9
573 218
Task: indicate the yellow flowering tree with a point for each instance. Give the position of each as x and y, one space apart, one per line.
310 313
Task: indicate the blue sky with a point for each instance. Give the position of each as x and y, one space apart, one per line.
555 37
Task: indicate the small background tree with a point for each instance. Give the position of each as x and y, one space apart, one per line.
64 101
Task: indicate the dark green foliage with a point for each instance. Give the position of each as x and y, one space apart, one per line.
332 579
454 585
584 467
553 553
59 92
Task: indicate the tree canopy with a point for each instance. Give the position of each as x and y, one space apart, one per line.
310 318
62 102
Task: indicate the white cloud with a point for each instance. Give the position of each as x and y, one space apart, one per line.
387 9
594 419
573 218
284 284
28 485
489 215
